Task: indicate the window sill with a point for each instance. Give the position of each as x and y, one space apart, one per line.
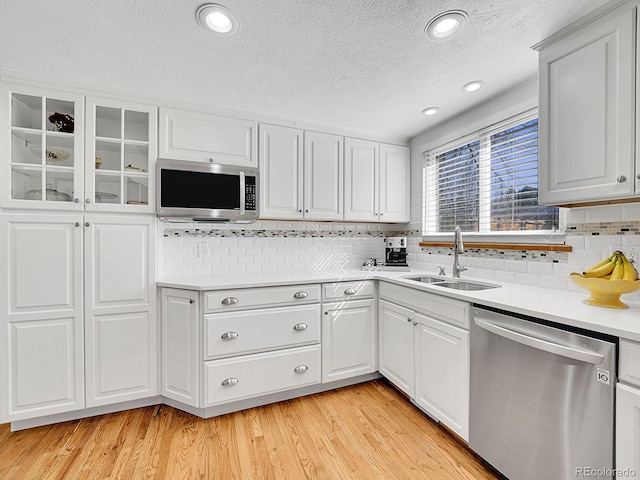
544 247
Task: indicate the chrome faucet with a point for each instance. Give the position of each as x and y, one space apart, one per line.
458 247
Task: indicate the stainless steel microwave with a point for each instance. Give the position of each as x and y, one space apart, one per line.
206 192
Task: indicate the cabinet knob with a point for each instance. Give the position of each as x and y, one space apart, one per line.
350 291
326 313
87 200
415 323
229 382
229 335
77 224
300 211
300 294
307 210
408 319
192 301
76 200
621 179
381 213
300 326
638 176
211 159
86 224
301 369
229 301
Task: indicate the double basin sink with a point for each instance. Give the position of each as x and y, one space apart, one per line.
451 283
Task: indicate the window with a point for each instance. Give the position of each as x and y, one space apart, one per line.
487 183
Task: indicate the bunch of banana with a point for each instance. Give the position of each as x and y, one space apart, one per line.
616 267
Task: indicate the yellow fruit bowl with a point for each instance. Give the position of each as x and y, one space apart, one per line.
605 293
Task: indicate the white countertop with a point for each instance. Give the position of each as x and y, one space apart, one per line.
561 307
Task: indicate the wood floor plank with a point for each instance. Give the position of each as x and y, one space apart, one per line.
364 432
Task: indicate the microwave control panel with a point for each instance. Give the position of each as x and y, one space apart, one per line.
250 193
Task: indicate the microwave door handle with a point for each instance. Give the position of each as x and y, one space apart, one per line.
242 193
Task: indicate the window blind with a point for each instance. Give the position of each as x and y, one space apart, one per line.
487 182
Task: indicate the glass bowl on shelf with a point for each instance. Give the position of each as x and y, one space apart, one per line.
605 293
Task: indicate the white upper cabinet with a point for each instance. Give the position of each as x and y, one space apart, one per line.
377 184
323 173
587 113
361 180
202 137
281 172
121 150
395 186
42 148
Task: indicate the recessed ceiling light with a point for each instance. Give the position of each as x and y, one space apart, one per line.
430 111
446 25
217 18
473 86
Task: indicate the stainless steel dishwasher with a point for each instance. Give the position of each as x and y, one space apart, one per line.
542 398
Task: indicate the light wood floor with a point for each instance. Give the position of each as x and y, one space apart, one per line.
368 431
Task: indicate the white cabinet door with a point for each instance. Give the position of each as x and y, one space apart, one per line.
120 314
587 114
180 347
348 339
41 147
41 331
121 151
627 428
281 172
396 345
323 173
394 183
202 137
361 180
442 373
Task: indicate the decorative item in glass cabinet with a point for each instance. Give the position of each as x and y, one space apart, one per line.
98 162
62 122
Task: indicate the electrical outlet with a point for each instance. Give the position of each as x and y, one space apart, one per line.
203 249
632 253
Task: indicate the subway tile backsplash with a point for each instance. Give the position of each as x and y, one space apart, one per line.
271 246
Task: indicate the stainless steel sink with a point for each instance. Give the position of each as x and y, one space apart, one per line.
462 285
452 283
426 279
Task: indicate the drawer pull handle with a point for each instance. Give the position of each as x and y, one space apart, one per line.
229 335
230 301
192 301
301 369
300 326
350 291
300 294
230 382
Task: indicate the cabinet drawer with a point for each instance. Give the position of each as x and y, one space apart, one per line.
250 331
629 362
348 290
448 310
240 299
260 374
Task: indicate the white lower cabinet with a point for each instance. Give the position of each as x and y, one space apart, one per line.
180 322
628 408
72 320
442 372
348 339
239 378
627 428
424 351
396 348
268 341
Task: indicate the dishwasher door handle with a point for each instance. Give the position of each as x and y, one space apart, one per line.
551 347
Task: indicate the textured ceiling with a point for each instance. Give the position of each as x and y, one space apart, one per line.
361 64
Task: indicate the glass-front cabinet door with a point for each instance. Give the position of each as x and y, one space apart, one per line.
42 148
121 149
